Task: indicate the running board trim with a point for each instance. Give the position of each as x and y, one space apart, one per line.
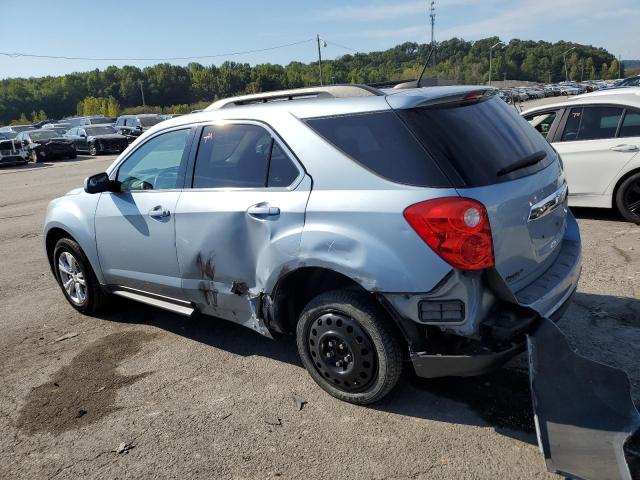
165 303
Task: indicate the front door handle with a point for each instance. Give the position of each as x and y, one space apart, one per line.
263 210
159 212
625 148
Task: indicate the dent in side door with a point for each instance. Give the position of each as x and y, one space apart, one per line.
230 241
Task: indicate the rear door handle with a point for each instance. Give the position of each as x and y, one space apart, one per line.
625 148
159 212
263 210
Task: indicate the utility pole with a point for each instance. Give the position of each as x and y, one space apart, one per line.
490 58
564 56
619 66
549 72
432 19
142 93
319 57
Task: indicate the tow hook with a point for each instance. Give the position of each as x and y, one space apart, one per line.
587 425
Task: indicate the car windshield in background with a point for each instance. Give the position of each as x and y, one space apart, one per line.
102 130
43 135
97 121
479 140
22 128
149 121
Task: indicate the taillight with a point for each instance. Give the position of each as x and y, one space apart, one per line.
456 228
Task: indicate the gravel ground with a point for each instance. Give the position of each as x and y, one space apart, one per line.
142 393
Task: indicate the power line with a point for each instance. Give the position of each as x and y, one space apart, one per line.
242 52
341 46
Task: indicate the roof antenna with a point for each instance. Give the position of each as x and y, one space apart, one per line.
424 69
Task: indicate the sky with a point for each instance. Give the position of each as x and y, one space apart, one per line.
189 28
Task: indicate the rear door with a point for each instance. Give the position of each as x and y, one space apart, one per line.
590 148
484 141
135 227
242 218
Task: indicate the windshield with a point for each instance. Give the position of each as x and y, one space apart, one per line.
102 130
22 128
478 140
43 135
149 121
99 120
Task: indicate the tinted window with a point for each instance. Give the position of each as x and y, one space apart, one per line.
156 164
150 121
102 130
130 122
479 139
591 123
282 171
120 121
542 121
380 142
232 156
630 125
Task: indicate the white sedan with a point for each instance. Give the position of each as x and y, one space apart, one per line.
598 138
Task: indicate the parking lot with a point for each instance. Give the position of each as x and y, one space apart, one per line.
142 392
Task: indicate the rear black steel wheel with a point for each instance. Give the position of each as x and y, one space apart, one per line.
349 346
628 198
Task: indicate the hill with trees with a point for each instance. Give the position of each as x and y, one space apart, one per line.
173 88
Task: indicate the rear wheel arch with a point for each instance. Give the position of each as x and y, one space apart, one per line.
295 289
619 182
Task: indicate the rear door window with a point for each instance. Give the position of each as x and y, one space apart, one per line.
282 171
591 123
380 142
630 124
479 139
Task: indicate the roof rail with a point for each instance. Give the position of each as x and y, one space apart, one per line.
330 91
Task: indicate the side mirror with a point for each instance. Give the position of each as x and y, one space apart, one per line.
83 135
139 128
98 183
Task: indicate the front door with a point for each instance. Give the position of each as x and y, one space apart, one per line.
241 220
135 227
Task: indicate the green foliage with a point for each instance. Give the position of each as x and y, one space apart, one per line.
108 107
177 89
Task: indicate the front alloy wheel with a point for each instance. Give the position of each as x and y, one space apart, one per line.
72 278
92 149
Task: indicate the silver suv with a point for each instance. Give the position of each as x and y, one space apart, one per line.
424 225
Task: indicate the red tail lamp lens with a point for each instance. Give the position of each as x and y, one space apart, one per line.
456 228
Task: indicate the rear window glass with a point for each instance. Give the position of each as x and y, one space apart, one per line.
479 140
381 143
630 125
591 123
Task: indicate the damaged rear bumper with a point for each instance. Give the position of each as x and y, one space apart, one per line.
483 360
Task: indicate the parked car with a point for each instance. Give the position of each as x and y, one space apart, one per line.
65 125
97 139
42 144
10 150
630 82
13 130
598 137
88 120
61 131
133 126
445 257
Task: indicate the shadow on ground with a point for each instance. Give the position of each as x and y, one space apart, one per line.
501 400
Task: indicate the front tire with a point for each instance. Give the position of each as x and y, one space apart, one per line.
349 346
628 198
93 151
76 277
33 156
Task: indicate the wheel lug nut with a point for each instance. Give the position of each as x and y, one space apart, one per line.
339 363
330 344
328 355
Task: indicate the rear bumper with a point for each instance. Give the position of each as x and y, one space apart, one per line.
433 366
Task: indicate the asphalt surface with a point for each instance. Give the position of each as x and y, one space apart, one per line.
142 393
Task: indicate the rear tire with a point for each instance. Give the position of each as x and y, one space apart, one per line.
628 198
72 267
349 346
